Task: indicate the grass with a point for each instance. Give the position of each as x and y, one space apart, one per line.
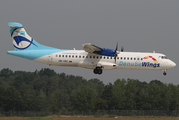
89 118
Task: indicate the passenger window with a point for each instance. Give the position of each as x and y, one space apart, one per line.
128 58
121 58
90 57
107 57
59 55
86 56
83 56
72 56
131 58
111 57
104 57
79 56
137 58
117 57
76 56
141 58
69 56
66 55
62 55
134 58
124 58
97 57
94 57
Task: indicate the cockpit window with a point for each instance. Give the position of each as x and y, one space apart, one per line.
164 57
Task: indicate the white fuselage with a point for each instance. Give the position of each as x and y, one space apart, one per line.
124 60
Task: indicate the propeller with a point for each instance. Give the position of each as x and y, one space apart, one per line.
115 53
122 48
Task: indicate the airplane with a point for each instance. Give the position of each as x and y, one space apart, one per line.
91 57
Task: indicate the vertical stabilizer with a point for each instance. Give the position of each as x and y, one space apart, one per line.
21 40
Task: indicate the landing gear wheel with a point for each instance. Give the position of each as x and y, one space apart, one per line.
164 73
95 71
98 70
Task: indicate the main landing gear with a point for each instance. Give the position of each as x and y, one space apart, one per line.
164 72
98 70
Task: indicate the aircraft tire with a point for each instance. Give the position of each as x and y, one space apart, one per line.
95 71
100 71
164 72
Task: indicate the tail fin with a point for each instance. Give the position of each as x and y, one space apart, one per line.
21 40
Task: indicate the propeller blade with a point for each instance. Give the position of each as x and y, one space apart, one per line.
116 47
115 53
122 48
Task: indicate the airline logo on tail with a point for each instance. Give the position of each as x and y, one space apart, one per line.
21 40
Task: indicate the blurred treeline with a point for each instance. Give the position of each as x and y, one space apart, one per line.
49 91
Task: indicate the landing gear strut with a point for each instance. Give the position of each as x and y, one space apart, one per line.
98 70
164 72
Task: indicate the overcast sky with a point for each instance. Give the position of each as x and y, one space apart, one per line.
138 25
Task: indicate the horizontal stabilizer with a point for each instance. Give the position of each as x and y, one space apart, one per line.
15 25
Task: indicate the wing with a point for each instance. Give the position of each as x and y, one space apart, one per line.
90 48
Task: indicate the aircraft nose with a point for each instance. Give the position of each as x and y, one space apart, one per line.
172 64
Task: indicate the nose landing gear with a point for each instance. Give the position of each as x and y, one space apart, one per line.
164 72
98 70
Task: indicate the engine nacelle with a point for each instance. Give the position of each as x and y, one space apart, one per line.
106 52
107 65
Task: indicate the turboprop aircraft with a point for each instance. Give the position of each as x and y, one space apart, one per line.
92 57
